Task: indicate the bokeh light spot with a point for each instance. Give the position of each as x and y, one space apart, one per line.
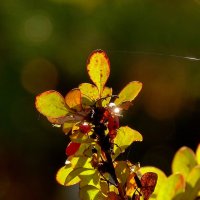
38 28
39 75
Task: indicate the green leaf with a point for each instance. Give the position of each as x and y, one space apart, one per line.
98 67
173 186
193 183
129 92
73 99
91 192
125 136
51 104
161 178
198 154
183 162
63 173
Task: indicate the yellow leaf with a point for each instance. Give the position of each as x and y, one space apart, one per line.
198 154
90 177
107 93
125 136
73 99
80 161
131 184
51 104
129 92
89 94
75 175
183 161
173 186
67 127
193 183
63 173
98 67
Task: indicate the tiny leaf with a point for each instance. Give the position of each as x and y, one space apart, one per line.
98 67
51 104
125 136
173 186
129 92
184 160
73 99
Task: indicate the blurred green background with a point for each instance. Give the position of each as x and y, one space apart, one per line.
45 44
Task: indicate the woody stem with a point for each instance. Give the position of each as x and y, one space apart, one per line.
113 174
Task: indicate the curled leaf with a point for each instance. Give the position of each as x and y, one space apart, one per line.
51 104
98 68
129 92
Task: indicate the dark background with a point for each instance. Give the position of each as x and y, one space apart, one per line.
45 44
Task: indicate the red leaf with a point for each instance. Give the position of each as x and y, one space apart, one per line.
72 148
148 182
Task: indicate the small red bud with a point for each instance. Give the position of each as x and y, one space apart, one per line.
85 128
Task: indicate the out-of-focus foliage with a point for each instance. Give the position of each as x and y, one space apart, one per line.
184 183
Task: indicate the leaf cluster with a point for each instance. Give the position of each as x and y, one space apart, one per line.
89 115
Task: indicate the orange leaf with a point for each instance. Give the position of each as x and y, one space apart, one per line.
73 99
98 67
